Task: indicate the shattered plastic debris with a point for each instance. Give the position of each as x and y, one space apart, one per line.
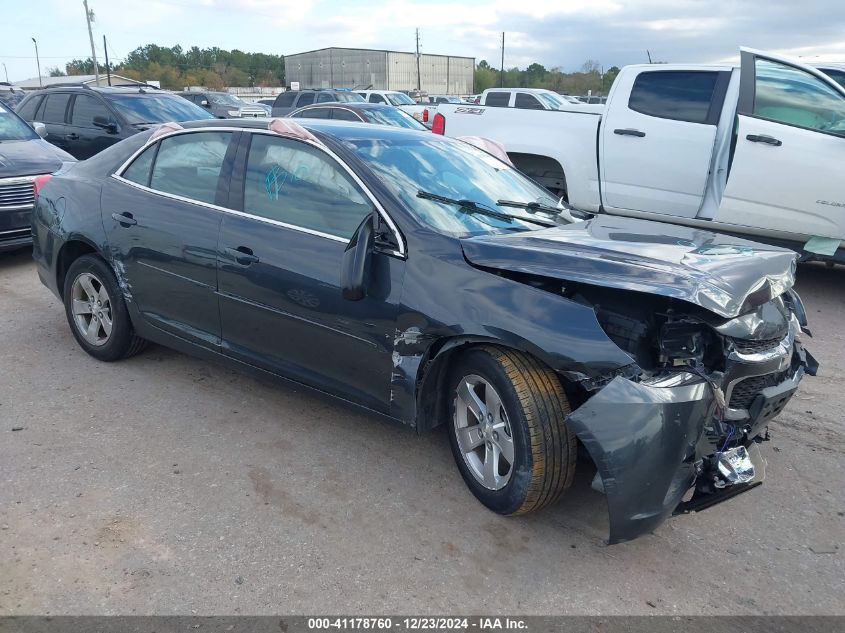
291 128
488 145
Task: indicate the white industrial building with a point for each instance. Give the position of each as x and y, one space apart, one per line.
358 68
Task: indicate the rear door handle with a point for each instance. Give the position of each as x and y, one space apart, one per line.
628 132
72 137
243 255
125 218
763 138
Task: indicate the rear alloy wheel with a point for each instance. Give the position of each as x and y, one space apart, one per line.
508 432
96 311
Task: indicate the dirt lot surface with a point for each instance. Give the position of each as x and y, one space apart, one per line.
164 484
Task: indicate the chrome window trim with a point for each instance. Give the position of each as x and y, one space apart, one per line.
118 175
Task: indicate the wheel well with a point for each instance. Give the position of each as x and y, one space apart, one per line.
545 170
432 396
71 251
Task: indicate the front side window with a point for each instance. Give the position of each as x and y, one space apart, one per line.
398 98
837 75
342 114
526 101
325 97
377 98
793 96
85 108
394 117
498 99
681 95
291 182
54 109
188 165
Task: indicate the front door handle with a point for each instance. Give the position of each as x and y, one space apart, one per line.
764 138
629 132
124 219
243 255
72 136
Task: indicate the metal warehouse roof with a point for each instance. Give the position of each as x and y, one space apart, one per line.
376 50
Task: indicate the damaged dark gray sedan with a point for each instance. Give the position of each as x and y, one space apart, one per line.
425 280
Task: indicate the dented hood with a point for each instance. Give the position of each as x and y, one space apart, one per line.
726 275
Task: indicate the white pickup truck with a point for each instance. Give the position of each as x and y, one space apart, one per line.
754 150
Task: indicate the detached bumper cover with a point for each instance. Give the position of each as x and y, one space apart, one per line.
649 440
643 439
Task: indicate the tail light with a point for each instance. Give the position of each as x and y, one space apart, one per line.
425 115
439 125
38 183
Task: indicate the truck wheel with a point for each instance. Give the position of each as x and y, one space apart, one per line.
96 311
508 435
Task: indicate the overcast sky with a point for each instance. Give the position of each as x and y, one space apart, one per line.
561 33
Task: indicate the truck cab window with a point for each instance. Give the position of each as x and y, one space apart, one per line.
681 95
498 99
795 97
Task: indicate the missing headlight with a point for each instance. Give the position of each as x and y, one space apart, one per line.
681 342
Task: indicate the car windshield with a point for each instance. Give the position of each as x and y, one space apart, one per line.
398 98
12 128
226 100
392 116
349 97
146 108
453 169
551 101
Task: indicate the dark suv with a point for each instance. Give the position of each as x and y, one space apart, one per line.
289 101
83 121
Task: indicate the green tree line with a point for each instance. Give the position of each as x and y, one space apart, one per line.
177 68
216 68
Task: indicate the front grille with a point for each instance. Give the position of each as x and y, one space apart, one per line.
747 346
745 391
16 194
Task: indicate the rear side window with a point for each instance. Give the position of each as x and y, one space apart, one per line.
314 113
85 108
284 100
526 101
344 115
139 170
306 98
325 97
670 94
189 165
294 183
54 109
497 99
27 110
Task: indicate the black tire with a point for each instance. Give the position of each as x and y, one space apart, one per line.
121 342
535 404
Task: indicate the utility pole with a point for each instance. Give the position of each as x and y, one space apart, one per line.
6 70
38 62
106 52
89 17
419 81
647 52
502 72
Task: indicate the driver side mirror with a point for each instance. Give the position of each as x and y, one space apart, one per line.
204 103
40 129
356 261
107 124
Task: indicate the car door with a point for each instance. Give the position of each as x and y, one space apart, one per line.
279 273
84 137
786 172
162 219
657 148
53 114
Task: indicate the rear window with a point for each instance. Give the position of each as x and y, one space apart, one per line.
678 95
497 99
27 110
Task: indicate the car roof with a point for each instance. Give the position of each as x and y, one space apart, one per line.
360 105
341 130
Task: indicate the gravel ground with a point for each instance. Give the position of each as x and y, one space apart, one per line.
167 485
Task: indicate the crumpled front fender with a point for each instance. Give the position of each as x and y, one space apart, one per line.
643 437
